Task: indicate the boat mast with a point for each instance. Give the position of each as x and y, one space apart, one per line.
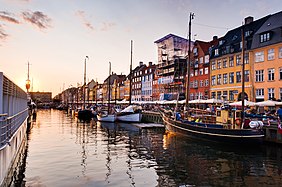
109 94
130 74
243 78
188 64
84 82
27 84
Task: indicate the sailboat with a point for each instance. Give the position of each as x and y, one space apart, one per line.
131 113
207 127
105 115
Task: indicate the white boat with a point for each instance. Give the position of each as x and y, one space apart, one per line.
105 117
132 113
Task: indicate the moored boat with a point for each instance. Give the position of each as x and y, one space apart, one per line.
132 113
212 131
103 116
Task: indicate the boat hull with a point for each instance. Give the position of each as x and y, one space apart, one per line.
106 118
134 117
224 135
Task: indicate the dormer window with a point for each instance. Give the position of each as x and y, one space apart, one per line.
216 53
248 33
221 42
264 37
234 37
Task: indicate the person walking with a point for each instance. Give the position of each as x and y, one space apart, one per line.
279 113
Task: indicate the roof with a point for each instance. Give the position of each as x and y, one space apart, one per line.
273 25
167 37
273 22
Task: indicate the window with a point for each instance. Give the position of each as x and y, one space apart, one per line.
260 93
264 37
224 63
271 74
238 60
246 58
213 80
213 95
270 54
238 76
280 93
206 70
213 65
247 75
280 53
207 59
191 96
201 60
219 64
219 79
216 53
225 79
207 82
218 94
196 84
196 72
231 61
224 93
259 56
280 74
259 76
201 83
201 72
231 77
231 95
270 93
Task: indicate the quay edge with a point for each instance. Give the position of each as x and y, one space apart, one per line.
272 134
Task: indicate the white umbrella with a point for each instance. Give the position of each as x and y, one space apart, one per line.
246 103
266 103
213 101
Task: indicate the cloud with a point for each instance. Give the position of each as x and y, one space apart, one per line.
3 34
107 26
8 17
81 15
37 18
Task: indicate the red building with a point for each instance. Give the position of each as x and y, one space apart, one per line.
200 69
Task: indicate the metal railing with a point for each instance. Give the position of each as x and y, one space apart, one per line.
9 125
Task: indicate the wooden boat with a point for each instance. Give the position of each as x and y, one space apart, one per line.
132 113
212 131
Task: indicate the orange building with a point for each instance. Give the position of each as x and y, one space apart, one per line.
267 59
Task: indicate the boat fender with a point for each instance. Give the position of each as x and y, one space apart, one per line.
256 124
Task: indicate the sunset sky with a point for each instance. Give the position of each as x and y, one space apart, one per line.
55 36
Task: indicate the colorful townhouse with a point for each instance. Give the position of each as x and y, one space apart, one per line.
267 59
172 64
137 82
226 62
147 82
200 69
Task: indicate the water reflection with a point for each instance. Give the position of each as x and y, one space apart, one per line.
64 152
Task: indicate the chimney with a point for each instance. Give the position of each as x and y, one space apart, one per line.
214 38
150 63
249 20
140 63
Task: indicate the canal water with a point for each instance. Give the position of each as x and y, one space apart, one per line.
63 152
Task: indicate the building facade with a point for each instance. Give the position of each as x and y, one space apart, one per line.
267 59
